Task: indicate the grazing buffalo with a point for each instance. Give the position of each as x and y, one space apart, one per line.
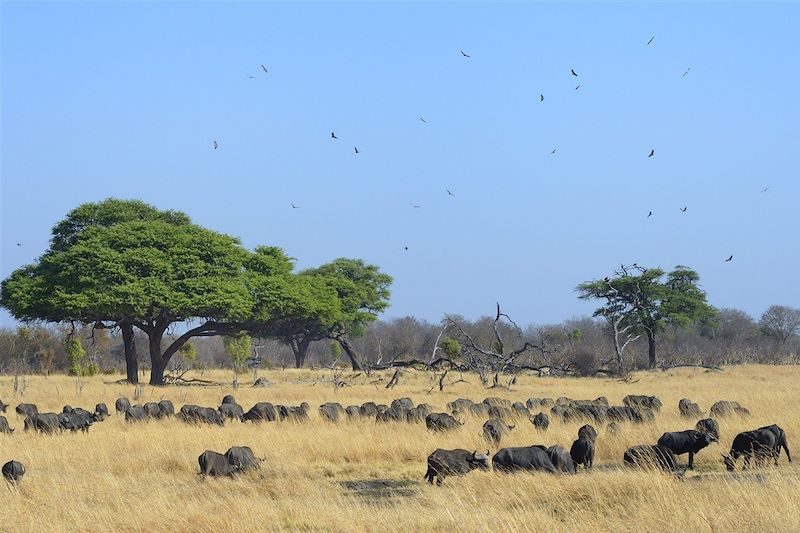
526 458
403 403
757 445
242 458
642 402
293 413
582 452
441 422
231 411
459 406
135 413
780 440
101 411
521 409
561 459
494 430
353 412
167 408
708 425
587 432
494 401
4 427
689 409
725 407
207 415
689 441
122 404
331 411
649 456
27 410
262 411
228 398
417 414
75 420
13 471
43 423
540 421
152 410
442 463
630 414
479 409
369 410
214 464
395 413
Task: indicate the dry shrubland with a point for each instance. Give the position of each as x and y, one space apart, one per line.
122 477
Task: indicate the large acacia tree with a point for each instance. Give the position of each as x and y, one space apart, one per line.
641 301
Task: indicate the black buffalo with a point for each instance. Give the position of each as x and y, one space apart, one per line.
122 404
441 422
101 411
752 445
228 398
262 411
152 409
4 427
242 458
642 402
293 413
167 408
331 411
403 403
561 459
630 414
689 441
369 410
13 471
353 412
459 406
649 456
417 414
780 440
587 431
214 464
442 463
582 452
540 421
708 425
526 458
231 411
43 423
725 407
27 410
689 409
494 430
75 420
135 413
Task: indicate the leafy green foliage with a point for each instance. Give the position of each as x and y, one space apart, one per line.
238 347
450 347
188 352
75 354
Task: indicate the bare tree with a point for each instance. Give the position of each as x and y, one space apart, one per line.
780 322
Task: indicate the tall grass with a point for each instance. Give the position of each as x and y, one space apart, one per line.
122 477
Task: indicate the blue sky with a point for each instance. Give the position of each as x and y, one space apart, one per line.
126 99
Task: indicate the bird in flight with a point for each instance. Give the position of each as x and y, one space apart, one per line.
251 77
356 149
649 214
651 39
295 206
423 120
578 87
264 69
541 98
19 244
683 209
415 206
729 259
216 145
765 189
450 192
406 248
687 72
464 53
333 135
573 72
554 151
652 152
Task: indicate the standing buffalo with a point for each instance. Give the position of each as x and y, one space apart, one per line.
369 410
101 411
725 407
331 411
642 402
242 458
152 410
262 411
135 413
708 425
417 414
214 464
4 427
353 412
13 471
648 456
582 452
231 411
780 440
540 421
689 441
441 422
758 444
228 398
688 409
27 410
167 408
122 404
442 463
494 430
561 459
587 431
293 413
526 458
625 414
43 423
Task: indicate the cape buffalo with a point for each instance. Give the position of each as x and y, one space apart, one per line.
27 410
167 408
629 414
561 459
242 458
441 422
494 430
582 452
214 464
689 409
101 411
13 471
521 409
152 410
540 421
417 414
293 413
639 402
708 425
403 403
228 398
135 413
231 411
689 441
526 458
725 407
494 401
587 432
75 420
43 423
459 406
122 404
369 410
442 463
353 412
780 440
756 445
649 456
331 411
261 411
4 427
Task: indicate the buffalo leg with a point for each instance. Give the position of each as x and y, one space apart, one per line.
691 460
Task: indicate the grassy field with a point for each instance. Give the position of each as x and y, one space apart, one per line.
122 477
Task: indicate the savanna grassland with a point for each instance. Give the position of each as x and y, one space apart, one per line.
123 477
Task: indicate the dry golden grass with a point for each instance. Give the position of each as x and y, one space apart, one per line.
122 477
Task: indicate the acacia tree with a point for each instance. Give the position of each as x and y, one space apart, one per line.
639 301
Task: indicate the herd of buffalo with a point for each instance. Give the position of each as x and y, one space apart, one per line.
756 445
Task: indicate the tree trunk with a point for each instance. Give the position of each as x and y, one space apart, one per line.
351 353
651 349
157 362
300 349
131 359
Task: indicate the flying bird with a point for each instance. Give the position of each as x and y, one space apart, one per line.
573 72
356 149
415 206
683 209
295 206
333 135
264 69
464 53
449 192
216 145
554 151
19 244
652 152
251 77
729 259
687 72
651 39
649 214
578 87
406 248
541 98
423 120
765 189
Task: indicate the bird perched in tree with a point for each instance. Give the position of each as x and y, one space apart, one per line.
652 152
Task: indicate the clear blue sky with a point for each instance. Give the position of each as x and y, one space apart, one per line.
125 100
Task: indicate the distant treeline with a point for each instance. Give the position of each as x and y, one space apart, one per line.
579 345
